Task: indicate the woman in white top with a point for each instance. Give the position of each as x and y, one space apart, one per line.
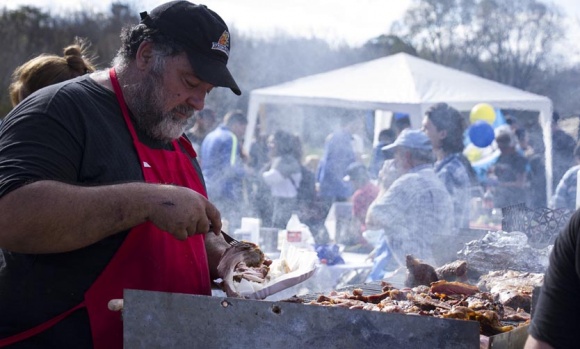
283 176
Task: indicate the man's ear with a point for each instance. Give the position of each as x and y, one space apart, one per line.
144 55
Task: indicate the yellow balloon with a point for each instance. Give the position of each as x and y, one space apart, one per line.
473 154
482 111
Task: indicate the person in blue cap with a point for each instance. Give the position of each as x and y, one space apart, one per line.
416 210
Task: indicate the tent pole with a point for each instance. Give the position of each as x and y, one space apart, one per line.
546 123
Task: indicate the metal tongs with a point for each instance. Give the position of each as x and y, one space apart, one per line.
230 240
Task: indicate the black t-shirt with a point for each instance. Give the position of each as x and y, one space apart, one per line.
74 133
555 316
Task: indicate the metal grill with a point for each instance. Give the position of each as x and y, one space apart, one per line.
368 288
541 225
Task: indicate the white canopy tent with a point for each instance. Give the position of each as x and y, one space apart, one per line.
401 83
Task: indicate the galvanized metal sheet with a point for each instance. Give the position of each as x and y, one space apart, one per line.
513 339
168 320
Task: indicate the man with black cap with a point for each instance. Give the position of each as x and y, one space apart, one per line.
100 191
416 211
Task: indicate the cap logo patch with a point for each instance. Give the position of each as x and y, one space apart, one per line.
223 44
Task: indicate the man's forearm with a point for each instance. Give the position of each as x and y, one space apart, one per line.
49 216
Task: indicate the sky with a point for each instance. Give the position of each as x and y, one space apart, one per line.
338 21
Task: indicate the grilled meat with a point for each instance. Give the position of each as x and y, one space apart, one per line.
419 273
244 260
454 271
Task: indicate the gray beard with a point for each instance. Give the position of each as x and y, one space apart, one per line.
147 102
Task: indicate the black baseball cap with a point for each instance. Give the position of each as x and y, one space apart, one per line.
203 33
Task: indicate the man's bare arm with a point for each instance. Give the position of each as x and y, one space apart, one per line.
49 216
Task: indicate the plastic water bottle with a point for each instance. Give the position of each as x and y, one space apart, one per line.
294 230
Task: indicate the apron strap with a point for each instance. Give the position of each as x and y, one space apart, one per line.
38 329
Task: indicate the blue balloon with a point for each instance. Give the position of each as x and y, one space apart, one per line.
481 134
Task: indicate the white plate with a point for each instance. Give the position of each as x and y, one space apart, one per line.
282 283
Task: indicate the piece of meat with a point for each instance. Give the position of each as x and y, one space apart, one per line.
512 288
236 260
255 274
489 323
453 287
519 315
419 273
481 306
425 302
454 271
460 312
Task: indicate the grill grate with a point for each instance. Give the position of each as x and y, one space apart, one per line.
541 225
368 289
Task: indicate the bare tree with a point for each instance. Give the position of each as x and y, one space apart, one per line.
515 40
438 29
506 41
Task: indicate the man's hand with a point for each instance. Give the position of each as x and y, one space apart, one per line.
183 212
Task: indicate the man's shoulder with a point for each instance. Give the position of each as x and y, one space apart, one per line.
405 184
426 180
61 101
80 85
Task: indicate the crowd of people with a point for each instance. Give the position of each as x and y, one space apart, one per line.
397 185
269 179
136 202
417 191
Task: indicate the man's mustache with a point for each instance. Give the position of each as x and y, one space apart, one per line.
184 109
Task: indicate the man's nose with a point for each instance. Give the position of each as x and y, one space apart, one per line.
197 97
197 100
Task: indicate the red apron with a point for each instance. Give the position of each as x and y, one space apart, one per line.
148 259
